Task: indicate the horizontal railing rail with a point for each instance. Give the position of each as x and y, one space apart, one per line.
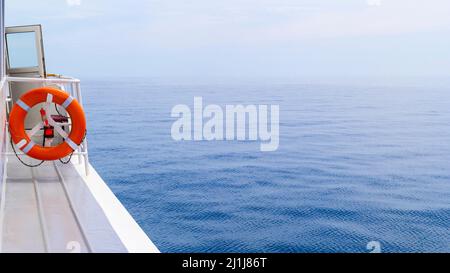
42 80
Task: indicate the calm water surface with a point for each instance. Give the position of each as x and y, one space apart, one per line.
355 164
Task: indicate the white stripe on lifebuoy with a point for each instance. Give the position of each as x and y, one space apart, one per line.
49 98
67 102
71 144
23 105
21 143
28 147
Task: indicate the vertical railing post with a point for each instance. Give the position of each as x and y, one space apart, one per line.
74 94
84 145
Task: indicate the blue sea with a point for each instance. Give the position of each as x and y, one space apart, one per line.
356 164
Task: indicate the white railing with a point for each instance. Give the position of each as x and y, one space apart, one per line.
3 144
69 85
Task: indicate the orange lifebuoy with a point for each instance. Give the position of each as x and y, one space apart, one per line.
40 95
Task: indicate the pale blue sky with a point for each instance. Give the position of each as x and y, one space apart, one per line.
241 38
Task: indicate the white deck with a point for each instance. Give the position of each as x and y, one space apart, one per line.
56 208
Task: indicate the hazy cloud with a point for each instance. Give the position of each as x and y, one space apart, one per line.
242 36
72 3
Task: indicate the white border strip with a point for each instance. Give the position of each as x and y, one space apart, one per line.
126 228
